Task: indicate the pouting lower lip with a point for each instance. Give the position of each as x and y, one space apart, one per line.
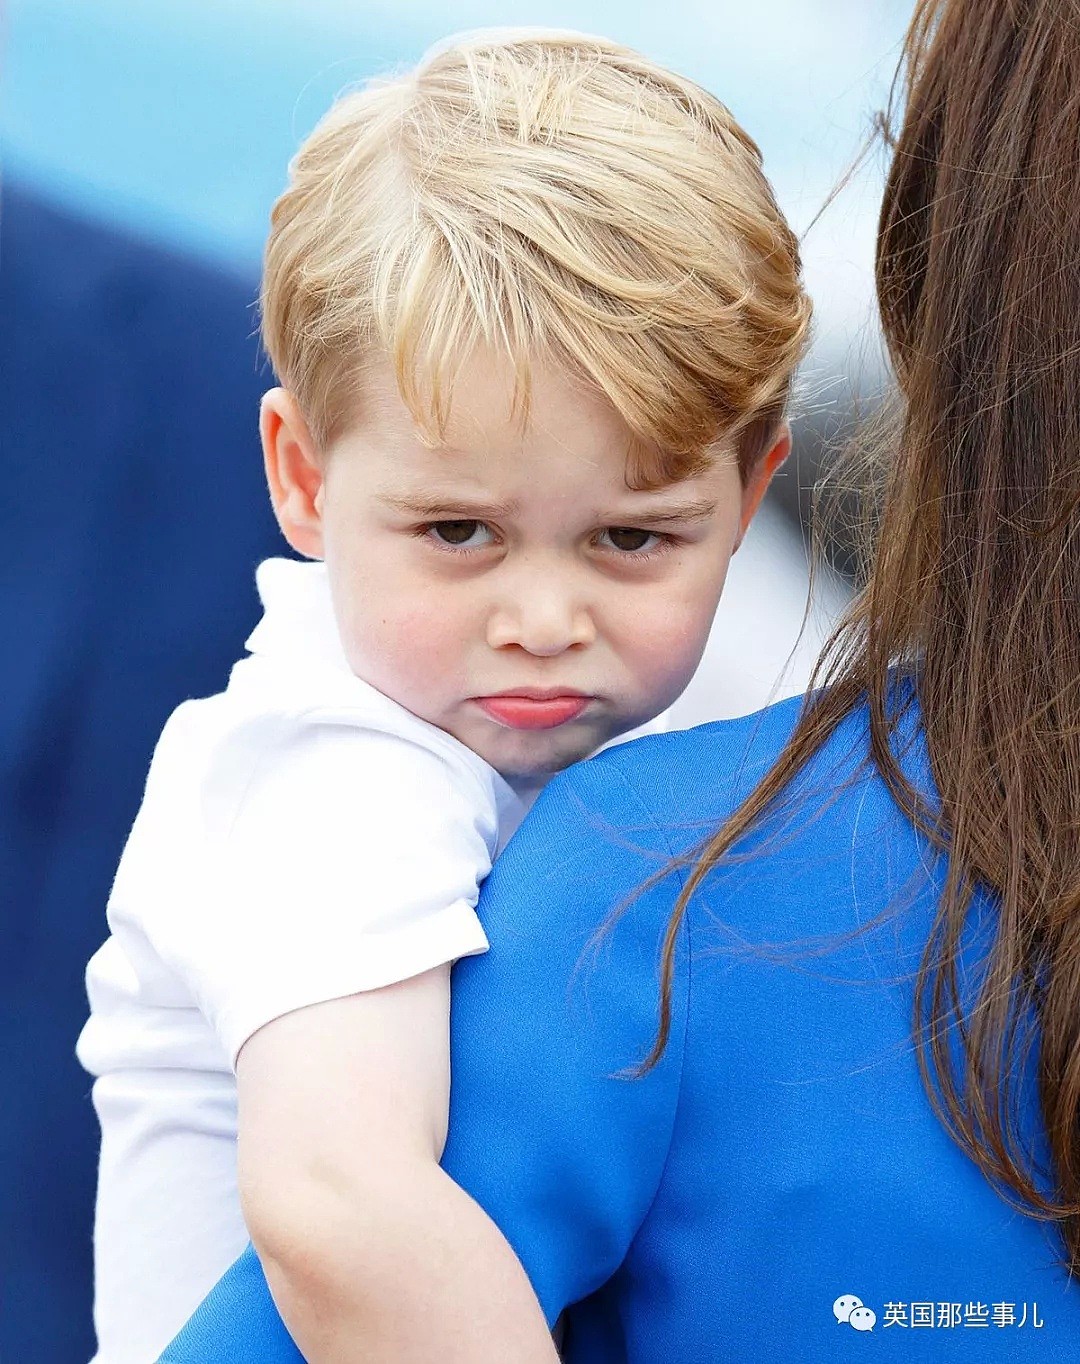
516 711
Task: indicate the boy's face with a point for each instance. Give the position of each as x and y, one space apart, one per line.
508 587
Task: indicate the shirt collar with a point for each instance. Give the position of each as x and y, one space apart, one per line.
298 615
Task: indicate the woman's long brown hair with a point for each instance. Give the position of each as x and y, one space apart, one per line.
974 581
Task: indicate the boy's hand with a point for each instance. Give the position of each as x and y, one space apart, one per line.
370 1250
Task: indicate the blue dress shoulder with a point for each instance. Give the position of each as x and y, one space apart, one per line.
782 1159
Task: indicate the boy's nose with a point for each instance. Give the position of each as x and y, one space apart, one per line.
540 620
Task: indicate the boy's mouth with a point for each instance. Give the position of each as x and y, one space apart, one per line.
533 707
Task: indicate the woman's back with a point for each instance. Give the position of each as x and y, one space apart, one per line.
783 1155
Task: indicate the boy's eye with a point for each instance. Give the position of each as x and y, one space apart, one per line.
460 534
628 539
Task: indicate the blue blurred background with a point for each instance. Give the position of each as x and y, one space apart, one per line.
143 144
177 120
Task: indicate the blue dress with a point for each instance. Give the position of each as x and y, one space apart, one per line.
783 1158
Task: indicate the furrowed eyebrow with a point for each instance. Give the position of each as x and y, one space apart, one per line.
698 510
450 508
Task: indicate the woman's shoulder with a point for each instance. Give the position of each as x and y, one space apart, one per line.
686 779
626 825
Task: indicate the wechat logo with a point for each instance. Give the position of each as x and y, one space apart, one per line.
850 1309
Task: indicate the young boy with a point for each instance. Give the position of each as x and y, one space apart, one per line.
535 314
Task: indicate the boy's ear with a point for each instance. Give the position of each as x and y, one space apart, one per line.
760 477
293 471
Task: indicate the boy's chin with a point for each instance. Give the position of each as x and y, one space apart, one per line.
533 757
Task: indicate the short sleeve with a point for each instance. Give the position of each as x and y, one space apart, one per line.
350 859
550 1128
547 1131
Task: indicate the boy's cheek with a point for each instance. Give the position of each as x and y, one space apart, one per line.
415 654
671 635
662 671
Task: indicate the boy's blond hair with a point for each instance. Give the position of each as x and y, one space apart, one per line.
555 197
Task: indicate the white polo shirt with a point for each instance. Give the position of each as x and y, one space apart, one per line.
302 838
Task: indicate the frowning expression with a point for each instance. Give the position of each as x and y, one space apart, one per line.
508 586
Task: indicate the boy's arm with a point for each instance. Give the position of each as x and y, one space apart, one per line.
547 1132
370 1250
